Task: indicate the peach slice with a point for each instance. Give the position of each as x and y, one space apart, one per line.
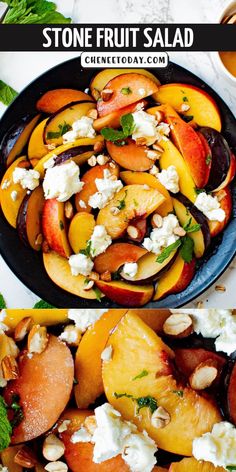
53 100
39 379
39 316
139 201
103 77
143 178
130 156
7 458
89 187
80 230
116 255
149 269
113 119
192 465
126 294
79 456
54 227
191 415
29 218
10 207
59 272
36 146
203 108
153 318
225 199
230 175
138 86
176 279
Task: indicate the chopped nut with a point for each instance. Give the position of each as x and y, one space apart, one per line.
160 418
90 424
39 239
57 466
112 165
179 231
98 146
69 210
184 107
153 155
9 367
25 458
154 170
159 116
50 147
114 210
37 339
158 148
133 232
157 221
22 328
92 114
220 288
45 247
204 375
106 276
12 348
141 141
89 285
53 448
92 161
179 325
93 276
102 160
106 94
63 426
71 335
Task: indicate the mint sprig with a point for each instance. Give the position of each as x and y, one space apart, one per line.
5 426
186 246
7 93
119 136
42 304
189 228
168 250
33 12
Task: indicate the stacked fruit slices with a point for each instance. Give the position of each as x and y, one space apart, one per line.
196 147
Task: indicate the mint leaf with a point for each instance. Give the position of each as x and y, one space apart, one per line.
7 93
43 304
191 228
2 302
87 250
126 90
98 294
62 130
121 204
168 250
5 426
118 136
147 402
120 395
231 467
186 250
180 393
33 12
113 135
127 123
142 374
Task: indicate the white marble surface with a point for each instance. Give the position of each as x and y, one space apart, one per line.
112 11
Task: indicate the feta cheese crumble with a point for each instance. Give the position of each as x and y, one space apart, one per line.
3 469
130 269
114 436
146 126
82 435
61 182
99 240
6 184
217 447
50 162
3 327
26 178
107 188
80 264
83 318
210 207
163 237
14 195
82 204
82 128
215 323
170 179
107 354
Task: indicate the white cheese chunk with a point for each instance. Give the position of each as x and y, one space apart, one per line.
146 126
139 452
80 264
83 318
169 178
217 447
160 238
210 207
130 269
61 182
82 128
107 188
99 240
82 435
26 178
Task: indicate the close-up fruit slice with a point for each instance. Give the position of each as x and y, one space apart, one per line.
225 198
130 156
126 294
149 269
29 219
10 206
192 465
176 278
51 101
54 227
117 255
80 231
36 147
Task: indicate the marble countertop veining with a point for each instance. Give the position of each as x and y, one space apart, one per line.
200 63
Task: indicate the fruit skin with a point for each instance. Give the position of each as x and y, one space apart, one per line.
59 272
143 178
39 379
126 294
113 119
185 210
230 175
227 205
116 255
29 218
140 86
191 415
130 156
192 465
36 147
202 106
176 279
187 360
231 399
139 202
80 231
79 456
53 100
16 138
89 187
149 269
39 316
11 207
54 227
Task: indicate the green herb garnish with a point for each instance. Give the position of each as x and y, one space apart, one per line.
186 250
5 426
61 225
135 203
168 250
231 467
87 250
33 12
126 90
208 159
189 228
121 204
98 293
185 99
199 190
142 402
43 304
2 302
180 393
18 412
121 395
118 136
142 374
7 93
58 134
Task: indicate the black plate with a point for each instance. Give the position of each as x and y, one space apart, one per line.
27 264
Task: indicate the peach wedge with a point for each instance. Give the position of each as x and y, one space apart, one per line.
10 206
192 465
191 415
52 100
126 294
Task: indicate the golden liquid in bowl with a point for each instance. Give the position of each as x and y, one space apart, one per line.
229 61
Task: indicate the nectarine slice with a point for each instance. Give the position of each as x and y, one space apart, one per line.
138 86
143 178
54 227
90 187
138 201
36 146
45 379
59 272
148 268
137 348
29 218
225 199
126 294
80 230
39 316
113 119
203 108
10 206
116 255
53 100
130 156
176 279
192 465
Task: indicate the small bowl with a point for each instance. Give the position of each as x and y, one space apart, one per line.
229 9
